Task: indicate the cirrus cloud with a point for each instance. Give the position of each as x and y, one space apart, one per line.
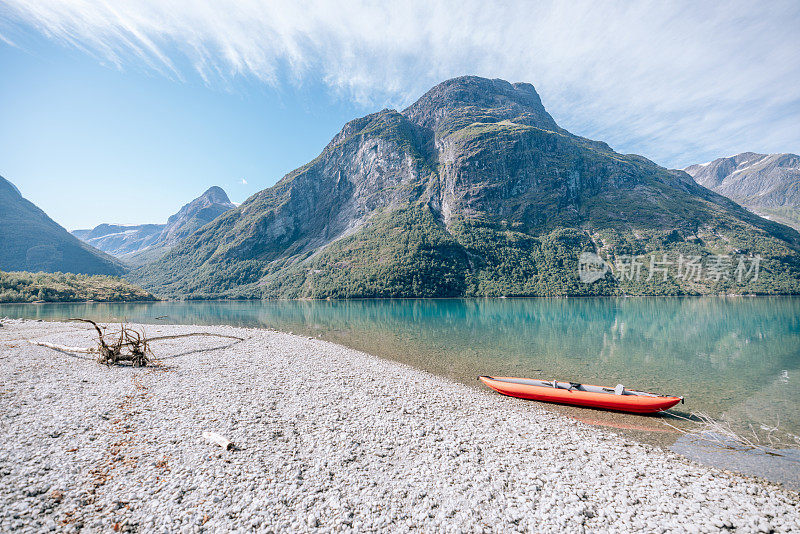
679 81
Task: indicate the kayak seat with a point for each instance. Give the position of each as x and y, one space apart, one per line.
619 390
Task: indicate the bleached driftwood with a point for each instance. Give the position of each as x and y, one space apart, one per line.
64 348
217 439
124 345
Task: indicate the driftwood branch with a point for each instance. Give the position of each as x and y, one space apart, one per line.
99 332
137 351
125 345
64 348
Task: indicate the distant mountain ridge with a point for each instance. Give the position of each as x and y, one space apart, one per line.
141 243
473 190
768 184
119 240
32 241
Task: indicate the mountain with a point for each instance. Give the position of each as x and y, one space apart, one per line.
119 240
197 213
32 241
768 184
473 190
139 244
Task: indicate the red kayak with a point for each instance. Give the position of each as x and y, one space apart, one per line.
618 398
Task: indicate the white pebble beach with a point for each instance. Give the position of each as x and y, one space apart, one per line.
326 439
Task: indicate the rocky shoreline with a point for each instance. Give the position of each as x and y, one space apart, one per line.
327 439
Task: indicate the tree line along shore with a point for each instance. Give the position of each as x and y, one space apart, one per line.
25 287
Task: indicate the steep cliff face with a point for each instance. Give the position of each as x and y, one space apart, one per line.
371 165
139 244
32 241
472 190
768 184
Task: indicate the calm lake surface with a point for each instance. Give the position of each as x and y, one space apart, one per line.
732 358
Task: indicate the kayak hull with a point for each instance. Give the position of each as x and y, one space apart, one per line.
631 401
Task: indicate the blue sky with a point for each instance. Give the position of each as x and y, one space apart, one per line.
77 137
152 101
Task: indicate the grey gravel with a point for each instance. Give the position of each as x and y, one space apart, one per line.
328 439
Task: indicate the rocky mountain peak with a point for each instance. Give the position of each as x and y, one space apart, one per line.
145 242
714 173
471 98
204 209
5 184
32 241
472 190
213 195
768 184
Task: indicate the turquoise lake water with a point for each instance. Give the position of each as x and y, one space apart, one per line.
737 359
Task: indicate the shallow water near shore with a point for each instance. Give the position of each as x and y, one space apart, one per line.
737 359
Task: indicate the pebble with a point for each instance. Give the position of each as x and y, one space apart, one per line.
327 439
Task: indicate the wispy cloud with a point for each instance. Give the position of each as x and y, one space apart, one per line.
243 182
7 41
679 81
